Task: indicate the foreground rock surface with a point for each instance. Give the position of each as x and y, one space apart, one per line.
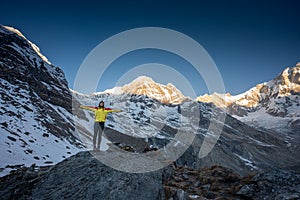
81 177
84 177
274 184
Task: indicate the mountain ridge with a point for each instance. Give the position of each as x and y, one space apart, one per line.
285 84
35 47
276 100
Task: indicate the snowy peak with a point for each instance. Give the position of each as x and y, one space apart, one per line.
146 86
15 46
285 84
36 48
215 98
288 82
143 80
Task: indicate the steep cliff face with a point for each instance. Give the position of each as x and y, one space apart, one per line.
36 121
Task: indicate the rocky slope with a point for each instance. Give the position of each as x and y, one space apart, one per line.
217 182
243 149
36 121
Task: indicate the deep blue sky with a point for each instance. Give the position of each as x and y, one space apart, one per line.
250 41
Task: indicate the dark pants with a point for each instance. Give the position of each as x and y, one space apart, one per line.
98 129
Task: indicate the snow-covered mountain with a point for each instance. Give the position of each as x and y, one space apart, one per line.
272 105
35 114
166 94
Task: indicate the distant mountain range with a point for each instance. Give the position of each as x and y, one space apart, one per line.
272 105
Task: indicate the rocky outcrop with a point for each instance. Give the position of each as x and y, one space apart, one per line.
215 182
271 185
81 177
218 182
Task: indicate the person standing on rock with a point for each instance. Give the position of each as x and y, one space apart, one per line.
100 118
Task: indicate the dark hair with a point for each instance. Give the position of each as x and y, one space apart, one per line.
100 103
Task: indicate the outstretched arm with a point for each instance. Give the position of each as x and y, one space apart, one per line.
113 111
88 108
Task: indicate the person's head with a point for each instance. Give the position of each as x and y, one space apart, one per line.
101 104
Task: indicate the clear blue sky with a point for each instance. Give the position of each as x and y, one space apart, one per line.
250 41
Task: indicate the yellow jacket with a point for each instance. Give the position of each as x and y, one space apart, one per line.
100 113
